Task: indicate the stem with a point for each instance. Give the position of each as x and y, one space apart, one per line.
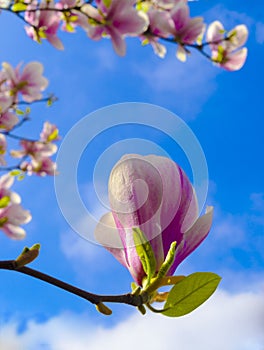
130 299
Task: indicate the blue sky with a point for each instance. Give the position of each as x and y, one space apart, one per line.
225 111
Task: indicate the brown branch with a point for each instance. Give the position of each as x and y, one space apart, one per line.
130 299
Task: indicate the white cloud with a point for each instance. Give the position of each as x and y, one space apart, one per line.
229 18
181 82
226 321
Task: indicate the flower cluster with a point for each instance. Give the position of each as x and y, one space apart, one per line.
12 215
39 152
15 82
226 49
17 86
153 21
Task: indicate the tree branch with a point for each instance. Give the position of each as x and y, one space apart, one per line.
130 299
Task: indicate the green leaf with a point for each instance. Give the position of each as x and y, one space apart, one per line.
145 253
18 7
19 112
168 261
190 293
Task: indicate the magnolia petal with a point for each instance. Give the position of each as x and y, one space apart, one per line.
118 41
180 15
239 36
193 238
181 53
215 33
6 181
235 60
13 231
107 234
55 41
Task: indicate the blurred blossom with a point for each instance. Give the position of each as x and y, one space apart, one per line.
49 133
29 82
226 48
42 167
12 215
45 24
35 149
117 19
8 120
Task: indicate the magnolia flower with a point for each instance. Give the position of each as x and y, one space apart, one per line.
154 194
159 26
226 50
12 215
49 133
29 82
45 24
8 120
185 30
35 149
115 18
42 167
6 181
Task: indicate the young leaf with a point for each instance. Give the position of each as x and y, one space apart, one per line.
145 253
190 293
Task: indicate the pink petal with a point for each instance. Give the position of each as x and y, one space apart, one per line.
235 60
180 15
215 34
193 238
13 231
107 234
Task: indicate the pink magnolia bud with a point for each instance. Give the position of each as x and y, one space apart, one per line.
154 194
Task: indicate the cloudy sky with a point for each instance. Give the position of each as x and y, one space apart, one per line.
225 112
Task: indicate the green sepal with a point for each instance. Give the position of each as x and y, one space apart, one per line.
107 3
4 201
19 7
190 293
157 281
168 261
145 253
27 255
142 309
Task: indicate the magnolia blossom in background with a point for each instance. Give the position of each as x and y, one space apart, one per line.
152 21
49 133
29 82
35 149
8 120
45 24
228 53
185 30
41 166
39 152
154 194
117 19
12 215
